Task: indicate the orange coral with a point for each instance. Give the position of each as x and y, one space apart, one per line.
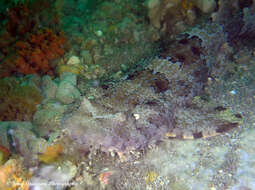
35 54
30 49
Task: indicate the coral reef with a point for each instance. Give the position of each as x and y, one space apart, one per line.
192 104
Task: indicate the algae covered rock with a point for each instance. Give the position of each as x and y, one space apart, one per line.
49 87
67 93
20 138
6 129
48 118
74 60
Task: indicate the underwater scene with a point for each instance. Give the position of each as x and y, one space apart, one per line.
127 95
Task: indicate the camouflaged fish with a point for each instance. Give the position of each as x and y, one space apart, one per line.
197 123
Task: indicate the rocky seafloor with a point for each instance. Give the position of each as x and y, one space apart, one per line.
159 96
